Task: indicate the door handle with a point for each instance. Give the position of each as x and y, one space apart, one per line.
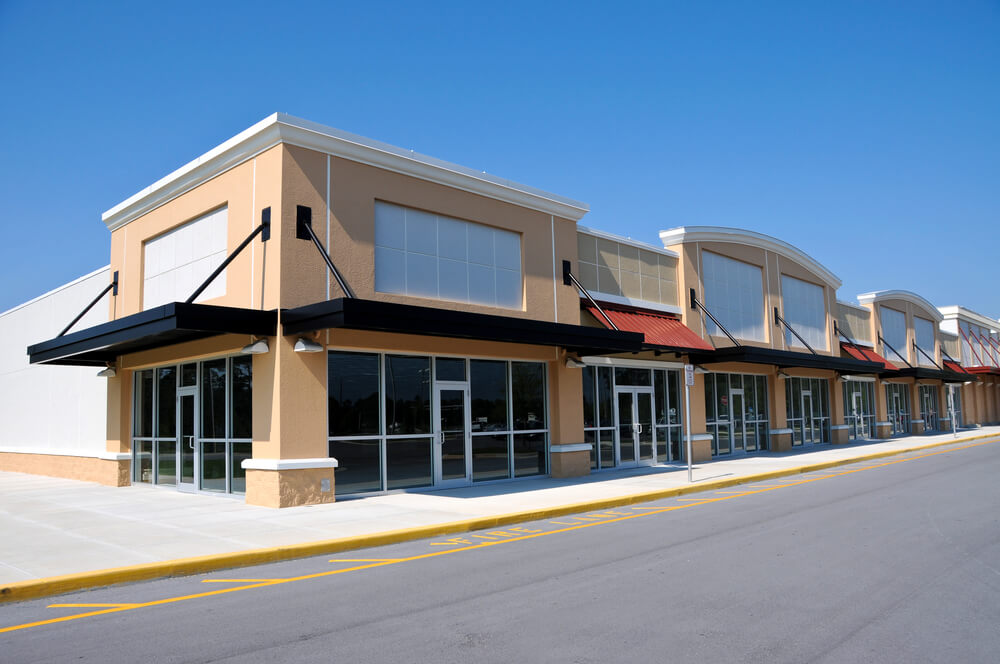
439 438
190 442
638 429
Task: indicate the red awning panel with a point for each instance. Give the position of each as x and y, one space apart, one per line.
659 329
864 354
954 366
983 370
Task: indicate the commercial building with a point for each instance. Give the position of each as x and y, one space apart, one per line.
302 314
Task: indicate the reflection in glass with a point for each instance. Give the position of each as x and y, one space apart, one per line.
632 376
408 462
590 438
604 398
528 390
213 399
144 459
489 458
626 434
189 375
241 394
358 468
407 395
488 387
187 438
213 466
238 481
353 393
449 368
589 404
143 426
166 462
529 454
166 387
645 423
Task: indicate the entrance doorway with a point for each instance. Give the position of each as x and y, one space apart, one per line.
187 449
636 441
453 442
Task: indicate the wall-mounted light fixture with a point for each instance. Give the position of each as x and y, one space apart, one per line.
782 375
304 345
257 347
107 373
573 363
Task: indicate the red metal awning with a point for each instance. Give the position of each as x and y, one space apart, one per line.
659 329
862 353
983 370
954 366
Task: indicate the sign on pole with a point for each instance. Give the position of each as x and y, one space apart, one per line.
688 384
689 375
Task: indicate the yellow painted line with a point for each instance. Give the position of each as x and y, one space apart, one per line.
57 585
237 580
84 606
363 560
480 545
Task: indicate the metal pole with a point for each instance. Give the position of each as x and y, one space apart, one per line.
687 425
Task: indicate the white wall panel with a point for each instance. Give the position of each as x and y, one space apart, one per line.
734 293
923 330
804 308
894 330
52 409
177 262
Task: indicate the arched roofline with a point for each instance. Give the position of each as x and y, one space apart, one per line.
906 296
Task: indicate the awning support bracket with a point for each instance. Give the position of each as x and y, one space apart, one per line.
778 320
696 304
263 229
304 231
113 287
921 351
570 280
887 345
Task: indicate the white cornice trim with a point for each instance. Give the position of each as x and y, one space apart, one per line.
906 296
958 311
288 464
627 240
853 305
685 234
281 128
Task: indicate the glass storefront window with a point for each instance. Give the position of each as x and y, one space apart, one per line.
528 394
241 397
213 399
408 395
736 413
488 383
353 393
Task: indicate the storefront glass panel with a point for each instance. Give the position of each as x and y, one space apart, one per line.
409 462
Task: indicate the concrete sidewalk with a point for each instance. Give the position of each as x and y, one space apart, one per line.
53 527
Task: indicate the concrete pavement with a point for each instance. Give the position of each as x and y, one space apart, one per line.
62 528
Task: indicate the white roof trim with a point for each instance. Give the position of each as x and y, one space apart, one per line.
627 240
958 311
282 128
855 306
684 234
906 296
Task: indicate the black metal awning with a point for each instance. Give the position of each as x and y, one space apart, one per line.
165 325
924 373
358 314
785 359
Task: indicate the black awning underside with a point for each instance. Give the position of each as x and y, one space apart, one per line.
165 325
358 314
785 359
924 373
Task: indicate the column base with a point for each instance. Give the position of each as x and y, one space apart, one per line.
109 469
289 483
569 460
781 440
917 427
701 447
883 429
840 434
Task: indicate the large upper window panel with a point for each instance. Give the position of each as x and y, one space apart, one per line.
805 310
624 270
923 329
894 329
176 263
734 293
427 255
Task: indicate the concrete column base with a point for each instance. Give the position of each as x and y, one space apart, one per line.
289 487
917 427
840 434
569 460
883 429
109 470
701 447
781 440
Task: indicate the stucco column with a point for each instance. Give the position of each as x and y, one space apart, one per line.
781 435
883 428
701 440
839 430
114 467
569 456
290 464
917 423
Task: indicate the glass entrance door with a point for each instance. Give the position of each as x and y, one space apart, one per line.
452 443
187 441
810 427
738 417
859 421
636 440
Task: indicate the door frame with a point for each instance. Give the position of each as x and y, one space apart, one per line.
436 469
738 391
195 483
634 391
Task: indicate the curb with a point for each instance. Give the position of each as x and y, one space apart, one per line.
57 585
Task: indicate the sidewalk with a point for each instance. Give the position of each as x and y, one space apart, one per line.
53 527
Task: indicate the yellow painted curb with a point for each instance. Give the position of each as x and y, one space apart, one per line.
57 585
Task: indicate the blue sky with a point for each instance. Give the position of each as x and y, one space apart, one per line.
865 133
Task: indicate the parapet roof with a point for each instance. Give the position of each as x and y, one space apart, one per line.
282 128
